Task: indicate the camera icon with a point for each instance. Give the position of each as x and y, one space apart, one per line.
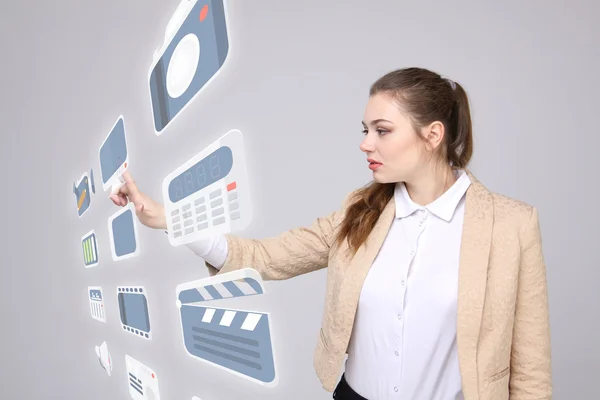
195 48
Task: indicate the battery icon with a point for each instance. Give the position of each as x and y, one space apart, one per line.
90 249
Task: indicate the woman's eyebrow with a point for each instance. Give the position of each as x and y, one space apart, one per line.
376 121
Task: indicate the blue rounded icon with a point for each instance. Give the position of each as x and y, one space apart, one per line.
188 60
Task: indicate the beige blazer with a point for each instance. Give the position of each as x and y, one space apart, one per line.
503 331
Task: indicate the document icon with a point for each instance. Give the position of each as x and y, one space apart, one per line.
235 340
143 382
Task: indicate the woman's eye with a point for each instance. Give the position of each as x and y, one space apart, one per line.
379 131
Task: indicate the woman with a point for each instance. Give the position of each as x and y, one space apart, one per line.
436 287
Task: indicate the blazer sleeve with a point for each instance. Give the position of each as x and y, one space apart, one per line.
294 252
530 376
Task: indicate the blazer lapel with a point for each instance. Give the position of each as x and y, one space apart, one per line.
474 256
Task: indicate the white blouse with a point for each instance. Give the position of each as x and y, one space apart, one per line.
403 343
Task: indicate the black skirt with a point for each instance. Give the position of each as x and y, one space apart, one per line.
343 391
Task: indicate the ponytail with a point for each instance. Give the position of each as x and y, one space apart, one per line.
460 144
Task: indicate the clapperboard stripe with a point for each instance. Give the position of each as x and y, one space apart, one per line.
251 319
208 315
202 293
214 293
223 290
227 318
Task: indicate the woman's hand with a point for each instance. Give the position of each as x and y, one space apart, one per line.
148 211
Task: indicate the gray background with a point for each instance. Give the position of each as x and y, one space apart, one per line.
296 85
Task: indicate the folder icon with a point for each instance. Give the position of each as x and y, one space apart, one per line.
238 341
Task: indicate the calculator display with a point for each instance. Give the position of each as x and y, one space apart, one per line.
202 174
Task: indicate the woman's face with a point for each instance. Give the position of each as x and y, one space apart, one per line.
390 141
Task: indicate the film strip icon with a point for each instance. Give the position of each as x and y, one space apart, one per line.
133 310
238 341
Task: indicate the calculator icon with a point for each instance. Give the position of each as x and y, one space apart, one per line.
97 303
209 194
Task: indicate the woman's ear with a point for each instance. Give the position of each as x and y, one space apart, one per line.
434 134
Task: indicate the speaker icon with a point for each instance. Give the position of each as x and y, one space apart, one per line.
104 357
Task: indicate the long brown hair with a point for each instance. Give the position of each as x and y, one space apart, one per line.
426 97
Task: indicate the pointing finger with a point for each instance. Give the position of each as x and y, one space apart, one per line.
132 189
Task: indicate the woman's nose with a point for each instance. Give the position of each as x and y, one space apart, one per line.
366 145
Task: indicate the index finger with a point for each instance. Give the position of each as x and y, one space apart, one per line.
134 192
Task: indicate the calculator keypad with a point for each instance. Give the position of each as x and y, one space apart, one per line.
196 214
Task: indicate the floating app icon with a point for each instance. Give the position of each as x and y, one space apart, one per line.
143 382
92 181
234 340
97 303
209 194
90 249
195 48
114 157
133 308
104 357
122 229
81 189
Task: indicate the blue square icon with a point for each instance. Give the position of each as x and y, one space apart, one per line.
123 234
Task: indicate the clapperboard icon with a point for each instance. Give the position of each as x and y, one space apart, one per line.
235 340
